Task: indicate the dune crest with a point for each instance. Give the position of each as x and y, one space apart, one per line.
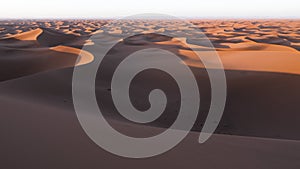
250 57
40 50
30 35
84 57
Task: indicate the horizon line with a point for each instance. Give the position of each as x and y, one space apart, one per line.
120 17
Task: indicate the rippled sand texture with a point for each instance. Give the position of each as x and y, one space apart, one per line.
259 128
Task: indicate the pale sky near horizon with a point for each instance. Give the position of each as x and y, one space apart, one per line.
121 8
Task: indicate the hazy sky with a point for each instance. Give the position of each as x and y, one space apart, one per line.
121 8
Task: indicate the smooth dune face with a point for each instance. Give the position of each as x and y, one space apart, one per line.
249 56
84 57
259 128
30 35
39 50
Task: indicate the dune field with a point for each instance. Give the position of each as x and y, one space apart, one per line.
259 128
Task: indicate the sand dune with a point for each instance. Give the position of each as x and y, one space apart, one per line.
30 35
259 128
263 69
253 57
52 38
48 126
38 50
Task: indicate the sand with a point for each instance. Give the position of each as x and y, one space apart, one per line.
259 128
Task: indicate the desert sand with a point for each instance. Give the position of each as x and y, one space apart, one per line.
259 128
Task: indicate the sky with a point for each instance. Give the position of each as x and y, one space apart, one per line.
34 9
